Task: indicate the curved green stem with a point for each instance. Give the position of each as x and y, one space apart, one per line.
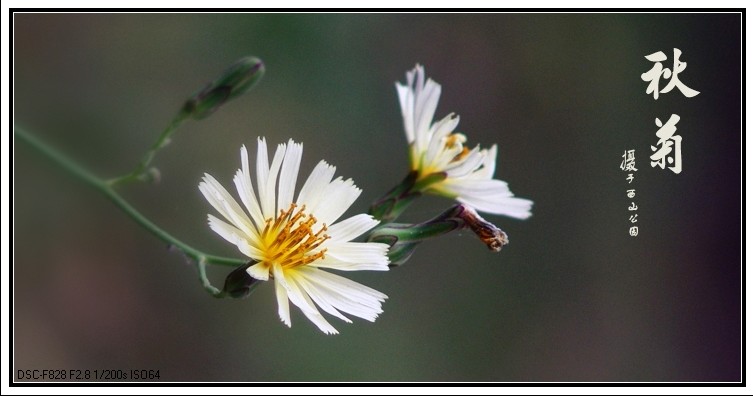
161 142
106 188
201 265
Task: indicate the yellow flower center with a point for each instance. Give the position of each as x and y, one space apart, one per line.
452 142
289 240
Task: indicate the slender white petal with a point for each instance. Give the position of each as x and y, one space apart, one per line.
478 187
490 164
268 198
221 200
231 233
405 95
351 227
473 160
353 291
242 181
439 132
340 196
318 319
283 306
340 265
426 105
262 173
335 299
235 236
301 299
314 187
321 298
294 294
289 174
518 208
367 252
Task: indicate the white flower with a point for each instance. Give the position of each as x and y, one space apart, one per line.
436 150
293 240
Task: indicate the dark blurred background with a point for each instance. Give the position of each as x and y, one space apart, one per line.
572 298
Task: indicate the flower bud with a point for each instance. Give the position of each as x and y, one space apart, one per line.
237 79
153 175
491 235
403 238
238 283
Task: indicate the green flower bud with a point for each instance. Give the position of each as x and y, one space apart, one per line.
238 283
237 79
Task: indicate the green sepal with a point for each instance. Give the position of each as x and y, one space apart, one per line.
427 181
392 204
238 283
237 79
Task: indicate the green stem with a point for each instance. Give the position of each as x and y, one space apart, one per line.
161 142
403 238
106 188
393 204
201 266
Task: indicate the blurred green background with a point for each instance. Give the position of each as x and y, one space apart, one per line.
571 298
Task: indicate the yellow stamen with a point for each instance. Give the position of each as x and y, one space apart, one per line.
453 142
289 240
461 155
453 139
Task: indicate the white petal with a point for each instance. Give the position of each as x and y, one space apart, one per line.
426 105
351 227
358 252
319 320
350 297
340 265
312 191
221 200
294 293
482 188
231 233
245 189
289 174
267 193
470 163
418 102
405 95
249 250
234 236
303 301
353 290
446 157
338 197
283 306
518 208
332 300
259 271
321 299
439 130
262 171
490 163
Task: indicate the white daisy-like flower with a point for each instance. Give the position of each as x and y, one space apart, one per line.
292 241
436 149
